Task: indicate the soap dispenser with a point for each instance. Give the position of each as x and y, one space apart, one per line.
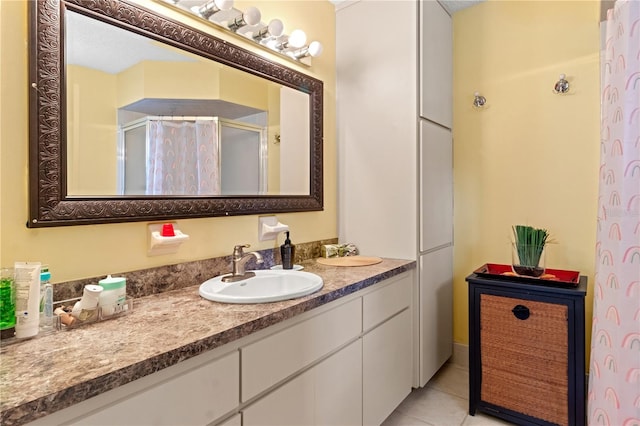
287 252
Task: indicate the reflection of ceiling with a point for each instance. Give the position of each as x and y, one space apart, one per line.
96 45
451 6
192 107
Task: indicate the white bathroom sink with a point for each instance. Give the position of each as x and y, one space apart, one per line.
266 286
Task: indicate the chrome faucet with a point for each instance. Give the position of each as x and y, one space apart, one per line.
239 259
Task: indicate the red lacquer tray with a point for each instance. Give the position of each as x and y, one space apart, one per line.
550 277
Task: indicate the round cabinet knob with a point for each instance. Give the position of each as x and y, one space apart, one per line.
521 312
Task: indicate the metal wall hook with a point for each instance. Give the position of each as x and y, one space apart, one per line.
561 86
479 101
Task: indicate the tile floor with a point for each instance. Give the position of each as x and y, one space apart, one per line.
444 401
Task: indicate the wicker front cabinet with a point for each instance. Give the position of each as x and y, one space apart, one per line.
526 351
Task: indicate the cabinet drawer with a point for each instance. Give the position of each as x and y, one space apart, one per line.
212 390
325 395
273 359
386 302
233 421
524 356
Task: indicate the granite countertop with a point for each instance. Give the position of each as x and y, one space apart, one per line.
45 374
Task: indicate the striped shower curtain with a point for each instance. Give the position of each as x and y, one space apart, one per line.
614 376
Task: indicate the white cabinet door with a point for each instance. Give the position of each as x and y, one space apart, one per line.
436 186
338 387
327 394
378 104
276 357
195 397
233 421
436 64
291 404
436 315
386 368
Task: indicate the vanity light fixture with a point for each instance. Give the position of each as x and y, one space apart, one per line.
314 49
248 25
479 101
561 86
296 40
212 7
251 16
274 30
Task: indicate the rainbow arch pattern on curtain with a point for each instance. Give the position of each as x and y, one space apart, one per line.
614 380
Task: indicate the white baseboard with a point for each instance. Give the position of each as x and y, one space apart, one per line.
460 355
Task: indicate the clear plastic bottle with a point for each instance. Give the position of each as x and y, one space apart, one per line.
46 299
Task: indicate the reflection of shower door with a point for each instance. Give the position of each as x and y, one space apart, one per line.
242 158
132 159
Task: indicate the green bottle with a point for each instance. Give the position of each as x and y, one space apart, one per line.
7 299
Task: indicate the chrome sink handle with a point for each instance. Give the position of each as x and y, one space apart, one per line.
238 260
237 250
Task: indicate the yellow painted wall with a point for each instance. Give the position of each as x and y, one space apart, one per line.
171 80
91 250
92 132
531 156
244 89
273 133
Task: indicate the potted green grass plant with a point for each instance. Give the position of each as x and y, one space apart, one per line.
528 250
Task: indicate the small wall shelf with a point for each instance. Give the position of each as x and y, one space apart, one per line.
269 227
159 244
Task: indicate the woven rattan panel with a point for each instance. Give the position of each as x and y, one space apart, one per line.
524 362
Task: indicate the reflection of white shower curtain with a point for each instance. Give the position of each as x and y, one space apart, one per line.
183 158
614 380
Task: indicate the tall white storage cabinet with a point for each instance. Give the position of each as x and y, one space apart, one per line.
394 104
377 96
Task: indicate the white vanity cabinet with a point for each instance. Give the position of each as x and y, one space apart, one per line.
233 421
326 394
360 383
344 363
194 392
386 349
194 397
278 356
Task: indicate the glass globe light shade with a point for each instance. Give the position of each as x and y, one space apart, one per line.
315 48
276 28
251 16
224 4
297 38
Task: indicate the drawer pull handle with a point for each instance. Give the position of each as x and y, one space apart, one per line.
521 312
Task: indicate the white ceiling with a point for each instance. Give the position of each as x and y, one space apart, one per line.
451 6
89 41
94 44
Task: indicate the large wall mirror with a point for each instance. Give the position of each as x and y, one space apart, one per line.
134 116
